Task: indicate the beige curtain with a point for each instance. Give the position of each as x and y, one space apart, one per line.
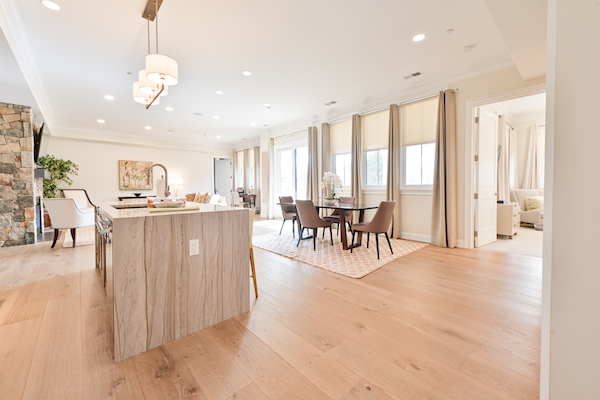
257 186
444 219
392 190
325 148
247 167
312 186
503 159
512 161
356 157
532 172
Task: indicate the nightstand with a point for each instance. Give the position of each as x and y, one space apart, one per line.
509 219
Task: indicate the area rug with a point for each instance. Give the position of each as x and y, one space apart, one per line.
360 262
83 237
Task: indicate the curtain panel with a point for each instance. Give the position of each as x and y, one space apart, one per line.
325 148
247 166
312 186
257 175
503 159
392 189
532 172
444 231
356 159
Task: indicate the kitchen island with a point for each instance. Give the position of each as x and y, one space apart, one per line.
156 291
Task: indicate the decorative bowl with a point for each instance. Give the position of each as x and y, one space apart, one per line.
137 194
169 204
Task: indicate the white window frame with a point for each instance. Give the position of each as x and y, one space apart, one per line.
372 189
423 190
345 188
293 147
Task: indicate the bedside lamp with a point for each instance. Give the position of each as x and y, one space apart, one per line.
176 182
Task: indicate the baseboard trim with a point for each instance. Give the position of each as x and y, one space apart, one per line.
460 243
417 237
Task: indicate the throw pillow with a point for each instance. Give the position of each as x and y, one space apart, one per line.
205 198
534 203
197 197
190 197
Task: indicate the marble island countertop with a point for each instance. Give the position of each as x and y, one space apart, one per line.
114 213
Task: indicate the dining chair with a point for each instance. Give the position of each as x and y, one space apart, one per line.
65 214
335 215
253 276
309 219
289 213
379 224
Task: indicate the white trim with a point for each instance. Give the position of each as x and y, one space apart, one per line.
526 118
460 244
417 237
468 205
376 190
422 192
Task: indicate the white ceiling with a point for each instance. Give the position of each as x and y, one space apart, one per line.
523 108
301 54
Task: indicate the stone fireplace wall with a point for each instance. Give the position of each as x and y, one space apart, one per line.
17 204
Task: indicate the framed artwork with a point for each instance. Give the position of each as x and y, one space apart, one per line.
133 175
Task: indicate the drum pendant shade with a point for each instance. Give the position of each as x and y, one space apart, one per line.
161 70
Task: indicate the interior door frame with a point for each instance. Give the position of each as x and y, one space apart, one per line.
212 167
469 159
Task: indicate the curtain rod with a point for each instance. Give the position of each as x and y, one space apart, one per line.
290 134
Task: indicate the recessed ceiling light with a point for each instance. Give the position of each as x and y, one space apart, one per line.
449 31
169 108
219 92
148 127
419 37
218 137
252 124
267 105
247 73
109 97
216 117
51 5
101 121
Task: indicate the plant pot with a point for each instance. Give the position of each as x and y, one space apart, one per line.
47 222
329 202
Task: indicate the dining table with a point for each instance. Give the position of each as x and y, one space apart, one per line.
343 209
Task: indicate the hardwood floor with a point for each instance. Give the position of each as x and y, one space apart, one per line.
436 324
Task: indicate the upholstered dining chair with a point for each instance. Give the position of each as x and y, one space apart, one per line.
379 224
334 217
289 213
65 214
309 219
253 276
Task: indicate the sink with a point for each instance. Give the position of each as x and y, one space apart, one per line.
125 206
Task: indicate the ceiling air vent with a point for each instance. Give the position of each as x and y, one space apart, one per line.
331 103
413 75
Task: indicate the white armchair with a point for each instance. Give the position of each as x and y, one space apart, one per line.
81 198
535 217
65 214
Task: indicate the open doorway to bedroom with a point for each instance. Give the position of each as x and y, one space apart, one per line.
509 142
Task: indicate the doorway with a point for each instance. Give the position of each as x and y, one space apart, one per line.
223 178
508 180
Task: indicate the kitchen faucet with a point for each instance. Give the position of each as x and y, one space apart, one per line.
167 193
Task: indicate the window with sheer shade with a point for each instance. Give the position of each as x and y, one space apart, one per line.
341 150
239 173
375 141
418 130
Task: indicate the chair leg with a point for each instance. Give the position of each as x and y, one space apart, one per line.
293 228
73 233
352 245
315 231
56 235
388 239
337 229
282 226
300 236
330 233
377 241
322 237
368 237
253 271
350 226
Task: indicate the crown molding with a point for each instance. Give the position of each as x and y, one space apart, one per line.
532 117
16 36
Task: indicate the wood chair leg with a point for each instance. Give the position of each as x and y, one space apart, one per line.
73 235
330 233
388 239
56 235
253 271
300 236
323 237
338 229
352 245
377 241
315 231
368 237
282 226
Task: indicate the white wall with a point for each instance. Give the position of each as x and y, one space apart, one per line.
571 251
99 165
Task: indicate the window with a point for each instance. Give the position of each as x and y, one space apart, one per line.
292 172
341 148
375 132
376 167
250 171
343 167
419 122
239 173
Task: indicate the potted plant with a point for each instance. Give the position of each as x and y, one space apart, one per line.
329 183
60 171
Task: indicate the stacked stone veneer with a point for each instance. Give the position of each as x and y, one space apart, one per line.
17 207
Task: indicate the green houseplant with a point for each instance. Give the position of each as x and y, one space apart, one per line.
60 171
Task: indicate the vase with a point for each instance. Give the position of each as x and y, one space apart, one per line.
329 202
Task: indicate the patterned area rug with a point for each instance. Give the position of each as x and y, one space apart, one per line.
83 237
360 262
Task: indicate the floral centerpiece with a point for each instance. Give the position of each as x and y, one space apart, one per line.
329 183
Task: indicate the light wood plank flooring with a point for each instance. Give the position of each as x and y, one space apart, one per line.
436 324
